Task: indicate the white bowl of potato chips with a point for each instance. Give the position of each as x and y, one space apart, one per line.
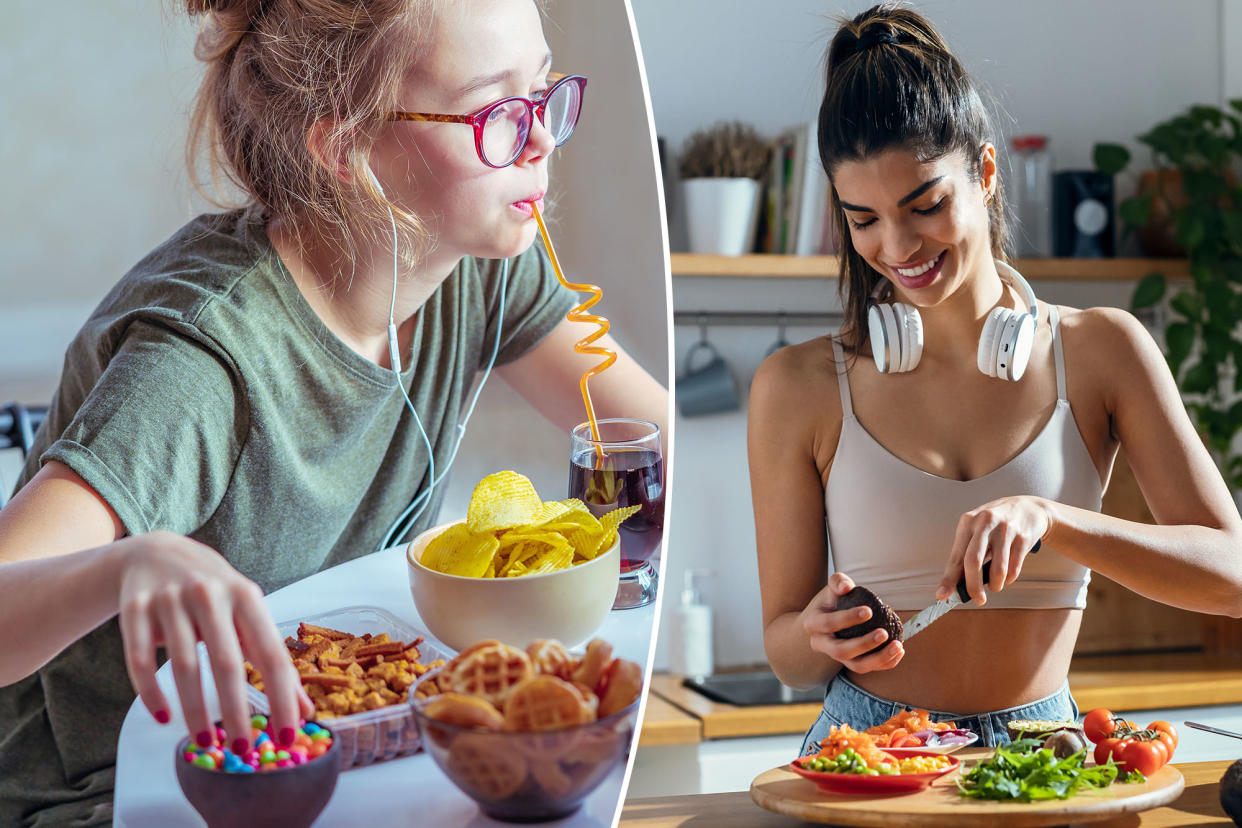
517 568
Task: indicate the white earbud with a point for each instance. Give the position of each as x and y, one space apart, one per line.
375 181
896 333
394 350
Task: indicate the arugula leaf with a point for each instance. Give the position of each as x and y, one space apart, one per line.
1026 772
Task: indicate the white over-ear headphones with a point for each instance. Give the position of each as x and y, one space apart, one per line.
896 332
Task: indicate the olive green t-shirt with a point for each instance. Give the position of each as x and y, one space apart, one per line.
204 396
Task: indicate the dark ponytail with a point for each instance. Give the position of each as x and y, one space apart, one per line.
893 83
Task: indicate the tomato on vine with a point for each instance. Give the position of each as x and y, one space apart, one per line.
1169 734
1110 746
1144 756
1099 724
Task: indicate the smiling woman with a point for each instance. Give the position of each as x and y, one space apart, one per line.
983 425
274 388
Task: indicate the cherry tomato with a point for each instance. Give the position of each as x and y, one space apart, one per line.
1098 724
1167 729
1143 757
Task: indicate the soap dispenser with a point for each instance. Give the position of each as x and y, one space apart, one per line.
690 632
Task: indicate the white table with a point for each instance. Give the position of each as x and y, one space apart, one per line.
399 792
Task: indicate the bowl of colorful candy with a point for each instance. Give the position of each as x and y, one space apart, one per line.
528 736
268 785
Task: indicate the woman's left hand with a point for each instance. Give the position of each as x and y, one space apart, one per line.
1003 531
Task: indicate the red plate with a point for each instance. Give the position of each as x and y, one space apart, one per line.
861 784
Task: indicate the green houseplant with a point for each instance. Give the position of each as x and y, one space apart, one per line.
1204 352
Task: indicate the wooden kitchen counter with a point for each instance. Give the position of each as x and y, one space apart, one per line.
1199 805
1148 681
721 721
667 724
1123 683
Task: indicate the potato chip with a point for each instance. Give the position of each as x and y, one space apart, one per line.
509 532
534 551
560 510
583 535
501 501
458 551
611 520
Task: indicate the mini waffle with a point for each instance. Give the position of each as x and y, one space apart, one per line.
552 778
489 670
464 711
545 703
589 696
550 657
623 681
484 764
591 669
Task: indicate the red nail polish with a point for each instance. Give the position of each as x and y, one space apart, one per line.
162 716
240 746
287 736
204 739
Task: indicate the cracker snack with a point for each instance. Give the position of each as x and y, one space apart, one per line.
345 673
360 682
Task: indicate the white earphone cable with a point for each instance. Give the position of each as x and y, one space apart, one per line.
406 521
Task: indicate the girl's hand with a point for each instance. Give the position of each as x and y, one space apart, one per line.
1003 531
821 619
175 592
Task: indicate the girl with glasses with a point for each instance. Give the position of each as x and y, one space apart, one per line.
955 420
266 393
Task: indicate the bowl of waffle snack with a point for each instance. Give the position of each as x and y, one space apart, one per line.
525 568
359 666
268 785
528 734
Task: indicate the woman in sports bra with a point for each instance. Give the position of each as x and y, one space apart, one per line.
957 419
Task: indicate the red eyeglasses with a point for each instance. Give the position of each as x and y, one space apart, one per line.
502 129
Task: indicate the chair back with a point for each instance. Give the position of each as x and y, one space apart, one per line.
18 424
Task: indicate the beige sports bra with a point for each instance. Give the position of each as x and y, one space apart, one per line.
891 526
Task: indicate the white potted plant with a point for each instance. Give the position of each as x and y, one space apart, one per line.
720 170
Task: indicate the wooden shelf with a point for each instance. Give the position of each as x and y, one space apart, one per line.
763 265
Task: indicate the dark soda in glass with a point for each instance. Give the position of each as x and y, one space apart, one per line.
625 477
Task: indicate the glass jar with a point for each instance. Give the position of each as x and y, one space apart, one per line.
1032 197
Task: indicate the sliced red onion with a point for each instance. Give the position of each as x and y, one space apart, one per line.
946 738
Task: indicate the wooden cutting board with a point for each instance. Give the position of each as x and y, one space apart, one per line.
784 792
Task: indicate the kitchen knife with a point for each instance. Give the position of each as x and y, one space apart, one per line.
959 596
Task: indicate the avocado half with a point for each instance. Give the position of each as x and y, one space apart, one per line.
1032 729
1231 792
882 617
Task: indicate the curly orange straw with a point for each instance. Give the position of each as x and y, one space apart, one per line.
579 314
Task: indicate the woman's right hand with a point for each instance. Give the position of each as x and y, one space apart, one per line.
176 591
821 619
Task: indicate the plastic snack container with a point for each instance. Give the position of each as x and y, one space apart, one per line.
373 735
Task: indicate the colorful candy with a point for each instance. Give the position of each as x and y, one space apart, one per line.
311 742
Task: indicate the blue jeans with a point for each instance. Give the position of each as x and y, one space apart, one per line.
847 703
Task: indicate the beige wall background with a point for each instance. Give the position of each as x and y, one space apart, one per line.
95 104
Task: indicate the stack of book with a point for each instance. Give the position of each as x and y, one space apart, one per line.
795 219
